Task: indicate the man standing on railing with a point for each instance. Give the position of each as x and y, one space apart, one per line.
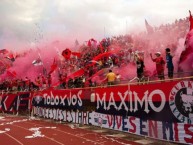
160 65
140 67
170 65
111 77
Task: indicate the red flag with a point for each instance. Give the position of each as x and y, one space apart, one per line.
78 54
101 47
92 39
89 43
10 56
188 48
99 77
76 74
191 21
5 64
186 57
106 54
148 27
92 42
53 67
66 53
11 73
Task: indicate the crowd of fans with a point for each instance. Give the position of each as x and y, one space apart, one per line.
116 52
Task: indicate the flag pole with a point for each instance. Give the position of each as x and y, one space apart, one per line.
104 32
44 69
126 28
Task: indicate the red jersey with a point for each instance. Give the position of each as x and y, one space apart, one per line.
160 64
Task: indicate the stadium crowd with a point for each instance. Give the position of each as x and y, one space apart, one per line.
91 66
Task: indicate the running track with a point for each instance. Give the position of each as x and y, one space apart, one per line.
31 131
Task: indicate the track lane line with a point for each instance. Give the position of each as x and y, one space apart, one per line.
81 136
101 143
44 136
14 139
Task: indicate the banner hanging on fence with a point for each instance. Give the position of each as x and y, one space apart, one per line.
14 102
175 132
152 101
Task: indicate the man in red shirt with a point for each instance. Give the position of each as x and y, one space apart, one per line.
160 65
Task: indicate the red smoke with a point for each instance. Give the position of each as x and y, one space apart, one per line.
170 35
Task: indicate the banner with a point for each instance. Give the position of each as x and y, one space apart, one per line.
14 102
150 101
162 110
74 99
175 132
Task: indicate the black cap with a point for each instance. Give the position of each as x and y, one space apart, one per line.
167 49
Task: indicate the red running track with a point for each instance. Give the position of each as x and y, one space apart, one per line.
25 131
